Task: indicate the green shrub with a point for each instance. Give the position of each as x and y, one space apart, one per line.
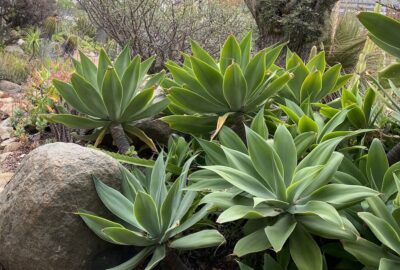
13 68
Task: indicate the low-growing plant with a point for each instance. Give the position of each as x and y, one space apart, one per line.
153 214
13 68
32 39
205 93
111 97
284 201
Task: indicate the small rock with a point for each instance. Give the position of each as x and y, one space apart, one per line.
12 146
14 49
4 143
4 156
9 87
5 133
4 179
20 42
6 123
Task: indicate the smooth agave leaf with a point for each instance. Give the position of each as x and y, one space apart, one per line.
230 53
158 255
146 212
304 250
255 72
234 87
75 121
286 149
252 243
201 239
377 164
237 212
280 231
258 124
124 236
135 261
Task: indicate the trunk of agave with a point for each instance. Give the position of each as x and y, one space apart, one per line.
393 155
238 126
173 262
119 137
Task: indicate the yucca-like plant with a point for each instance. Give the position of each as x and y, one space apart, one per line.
153 214
111 97
313 81
285 201
205 93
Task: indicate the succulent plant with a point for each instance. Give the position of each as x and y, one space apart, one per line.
111 97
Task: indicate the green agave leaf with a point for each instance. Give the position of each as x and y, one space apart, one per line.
230 53
366 252
377 164
369 99
304 250
201 239
200 53
134 261
280 231
117 203
252 243
272 53
375 22
255 72
333 123
267 162
386 264
340 195
388 184
124 236
89 69
207 181
191 124
112 93
89 96
323 228
237 212
234 87
303 141
144 67
146 213
286 149
97 224
356 117
329 80
300 72
151 110
224 199
243 181
137 105
158 255
74 121
192 220
158 190
104 63
130 80
155 79
395 51
306 124
379 209
130 185
230 139
70 95
382 230
209 78
122 61
317 63
321 209
258 124
243 266
245 48
311 86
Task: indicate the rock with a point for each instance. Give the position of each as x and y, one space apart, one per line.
6 123
11 146
5 133
10 87
157 130
4 156
14 49
7 142
4 179
38 229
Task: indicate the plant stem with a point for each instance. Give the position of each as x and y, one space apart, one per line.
238 126
119 137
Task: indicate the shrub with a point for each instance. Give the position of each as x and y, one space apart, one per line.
163 27
13 68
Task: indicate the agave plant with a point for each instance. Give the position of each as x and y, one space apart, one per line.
312 81
111 97
385 226
153 214
285 201
205 93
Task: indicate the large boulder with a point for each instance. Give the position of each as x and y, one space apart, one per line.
9 87
38 227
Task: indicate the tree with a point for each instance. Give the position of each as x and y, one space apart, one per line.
165 27
303 22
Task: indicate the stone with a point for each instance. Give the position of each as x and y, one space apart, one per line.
5 133
6 123
38 227
4 143
4 179
10 87
14 49
4 156
11 146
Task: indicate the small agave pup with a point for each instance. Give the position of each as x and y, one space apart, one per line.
204 92
152 214
111 96
284 201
